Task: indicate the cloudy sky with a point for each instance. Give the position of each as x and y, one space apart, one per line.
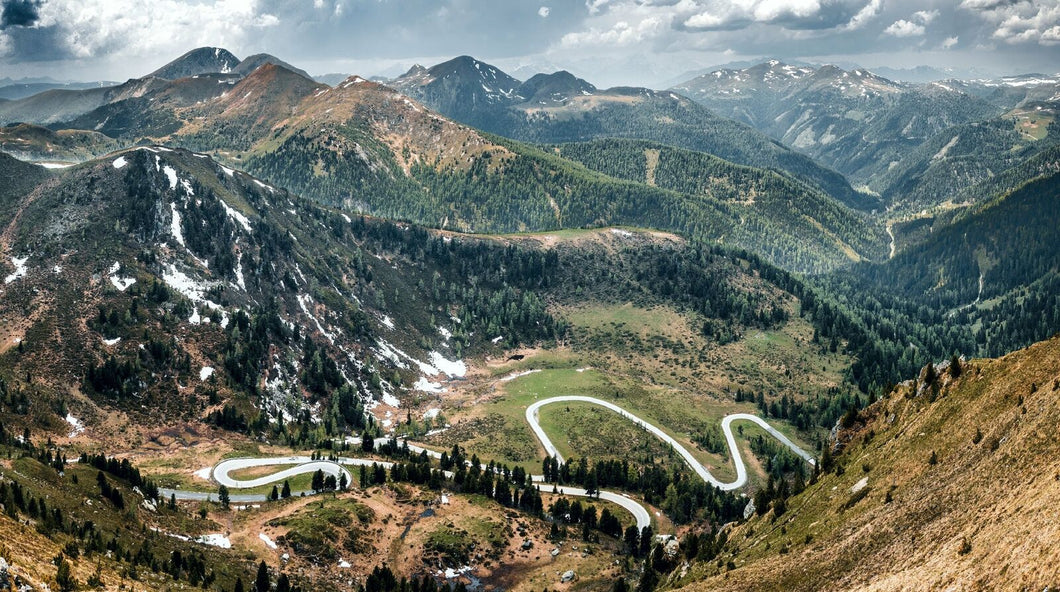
648 42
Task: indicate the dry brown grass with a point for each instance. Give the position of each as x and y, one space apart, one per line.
1002 502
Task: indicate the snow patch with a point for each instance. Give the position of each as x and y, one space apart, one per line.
444 333
452 368
388 322
215 540
391 400
112 341
205 373
174 225
171 174
204 473
122 284
76 427
20 269
432 413
497 339
265 539
236 215
427 386
342 562
239 276
120 162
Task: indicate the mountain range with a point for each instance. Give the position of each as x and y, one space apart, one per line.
229 259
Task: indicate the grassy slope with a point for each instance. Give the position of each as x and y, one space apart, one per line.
1002 502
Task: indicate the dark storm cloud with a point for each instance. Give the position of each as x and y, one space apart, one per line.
19 13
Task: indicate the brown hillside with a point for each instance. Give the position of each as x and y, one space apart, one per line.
983 517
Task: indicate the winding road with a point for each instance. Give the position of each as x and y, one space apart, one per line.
298 465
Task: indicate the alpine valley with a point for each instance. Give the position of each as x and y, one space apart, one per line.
778 327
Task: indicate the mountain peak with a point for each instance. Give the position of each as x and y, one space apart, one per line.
251 63
203 60
555 88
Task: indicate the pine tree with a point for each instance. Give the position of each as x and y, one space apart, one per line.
261 583
286 492
274 494
63 578
222 496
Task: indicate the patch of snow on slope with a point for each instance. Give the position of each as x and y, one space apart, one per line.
388 322
193 290
302 300
204 473
120 162
454 368
265 539
427 386
205 373
444 333
215 540
239 276
171 174
432 413
76 427
112 341
122 284
20 269
174 225
391 400
236 215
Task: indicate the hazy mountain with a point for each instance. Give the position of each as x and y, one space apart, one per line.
60 104
854 121
23 90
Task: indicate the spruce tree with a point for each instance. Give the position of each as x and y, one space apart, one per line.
261 583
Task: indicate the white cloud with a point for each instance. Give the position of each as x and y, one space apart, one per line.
716 15
543 12
90 28
904 28
867 13
594 6
925 17
949 42
1029 21
620 34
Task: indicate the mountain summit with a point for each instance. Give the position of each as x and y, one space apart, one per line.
204 60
